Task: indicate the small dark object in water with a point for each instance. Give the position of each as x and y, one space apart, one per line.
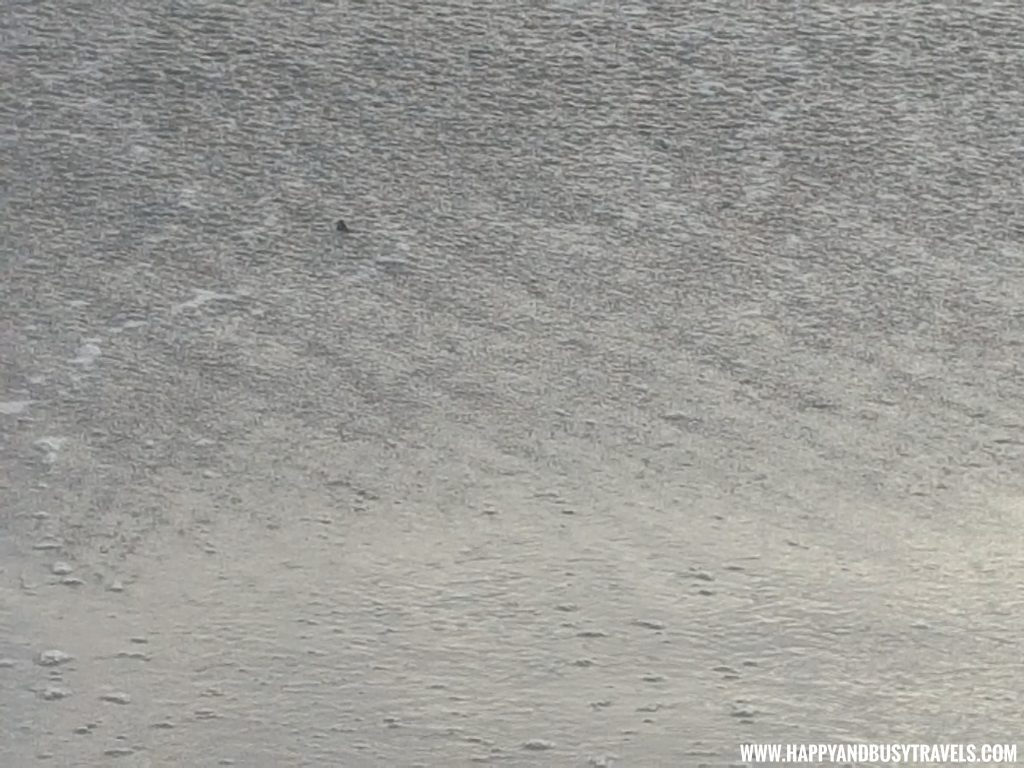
341 226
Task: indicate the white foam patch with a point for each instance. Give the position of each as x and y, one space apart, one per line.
129 325
14 407
50 447
87 353
203 296
50 443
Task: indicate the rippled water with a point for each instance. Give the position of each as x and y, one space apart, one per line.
665 395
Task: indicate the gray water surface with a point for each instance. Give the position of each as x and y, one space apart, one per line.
665 396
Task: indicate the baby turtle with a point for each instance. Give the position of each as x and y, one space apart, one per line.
341 226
